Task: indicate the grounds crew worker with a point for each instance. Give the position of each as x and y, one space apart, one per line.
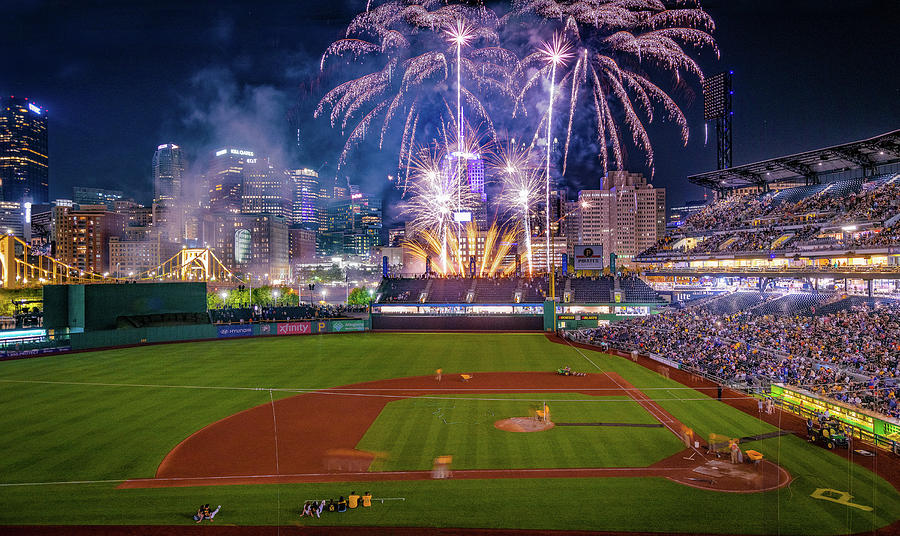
354 499
367 499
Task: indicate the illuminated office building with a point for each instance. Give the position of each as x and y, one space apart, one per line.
246 243
82 236
471 166
225 179
83 195
24 160
353 226
626 216
266 190
168 173
306 194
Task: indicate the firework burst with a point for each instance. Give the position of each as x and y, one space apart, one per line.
521 191
416 50
618 43
494 257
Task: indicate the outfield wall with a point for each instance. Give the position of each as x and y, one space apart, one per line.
457 322
93 340
98 307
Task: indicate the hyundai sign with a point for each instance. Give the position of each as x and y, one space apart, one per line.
588 257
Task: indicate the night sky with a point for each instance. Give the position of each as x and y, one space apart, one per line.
119 78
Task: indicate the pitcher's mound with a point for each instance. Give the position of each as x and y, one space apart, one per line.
523 424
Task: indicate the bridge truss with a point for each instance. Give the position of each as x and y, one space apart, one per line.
24 266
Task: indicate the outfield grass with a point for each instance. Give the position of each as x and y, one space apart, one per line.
414 431
113 415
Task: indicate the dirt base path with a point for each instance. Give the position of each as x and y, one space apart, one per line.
294 439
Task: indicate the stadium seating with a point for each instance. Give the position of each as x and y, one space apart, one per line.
592 289
451 290
507 289
744 341
732 303
495 290
534 289
789 304
636 291
400 290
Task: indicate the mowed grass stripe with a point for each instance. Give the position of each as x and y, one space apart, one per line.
464 428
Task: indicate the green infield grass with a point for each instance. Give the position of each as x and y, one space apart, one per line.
75 426
414 431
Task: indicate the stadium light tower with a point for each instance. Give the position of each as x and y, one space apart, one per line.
717 93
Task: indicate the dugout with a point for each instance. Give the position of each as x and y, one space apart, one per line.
115 306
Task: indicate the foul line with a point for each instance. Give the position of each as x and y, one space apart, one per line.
316 389
350 391
60 483
649 408
275 429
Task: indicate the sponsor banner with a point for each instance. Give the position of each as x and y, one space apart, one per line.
34 351
234 331
347 325
295 328
589 317
265 329
588 257
565 317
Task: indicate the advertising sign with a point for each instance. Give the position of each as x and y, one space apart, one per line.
234 331
347 325
588 257
294 328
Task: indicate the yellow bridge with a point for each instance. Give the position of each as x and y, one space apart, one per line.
21 266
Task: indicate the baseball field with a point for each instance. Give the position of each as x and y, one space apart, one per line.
142 436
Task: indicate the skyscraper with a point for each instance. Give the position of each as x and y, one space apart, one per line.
471 166
353 225
168 202
83 195
266 190
168 173
306 197
626 216
24 160
225 178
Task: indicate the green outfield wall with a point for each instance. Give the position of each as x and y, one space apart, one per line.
97 307
90 340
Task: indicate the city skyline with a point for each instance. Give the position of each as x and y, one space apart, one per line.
226 91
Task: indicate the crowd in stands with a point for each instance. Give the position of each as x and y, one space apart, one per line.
851 353
306 311
758 220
